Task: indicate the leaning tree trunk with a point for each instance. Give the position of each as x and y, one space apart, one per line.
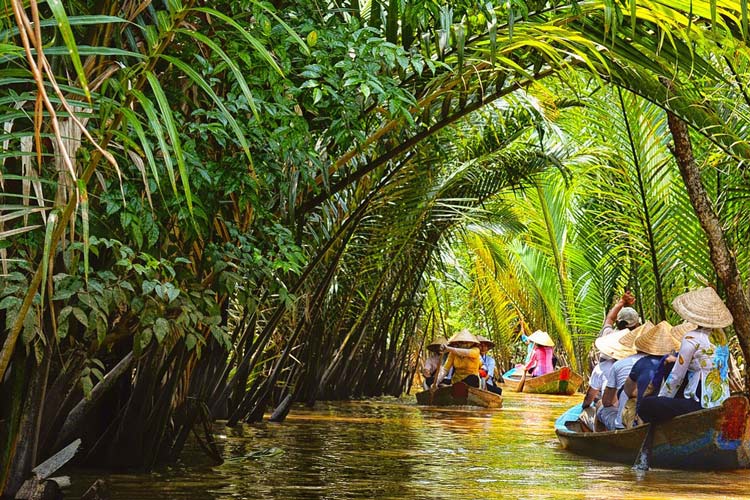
722 257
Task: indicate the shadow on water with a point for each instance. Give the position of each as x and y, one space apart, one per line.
393 448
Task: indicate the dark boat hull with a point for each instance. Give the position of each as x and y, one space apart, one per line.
712 439
546 384
460 394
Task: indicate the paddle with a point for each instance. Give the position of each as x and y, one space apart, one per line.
644 454
522 382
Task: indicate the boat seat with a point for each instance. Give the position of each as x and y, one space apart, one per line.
577 426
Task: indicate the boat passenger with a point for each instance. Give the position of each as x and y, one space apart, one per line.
518 368
703 359
667 362
619 319
463 357
529 347
656 343
487 370
433 361
611 350
613 400
541 357
621 316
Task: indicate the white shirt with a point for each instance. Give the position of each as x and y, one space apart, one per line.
616 380
598 378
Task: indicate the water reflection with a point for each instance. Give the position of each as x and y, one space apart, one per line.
395 449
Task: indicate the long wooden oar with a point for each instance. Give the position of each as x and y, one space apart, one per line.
522 382
644 454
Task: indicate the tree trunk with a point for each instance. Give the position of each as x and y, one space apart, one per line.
722 258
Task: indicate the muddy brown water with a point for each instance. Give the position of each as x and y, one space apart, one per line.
392 448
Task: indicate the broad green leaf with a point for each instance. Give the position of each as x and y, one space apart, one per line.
81 316
63 323
161 329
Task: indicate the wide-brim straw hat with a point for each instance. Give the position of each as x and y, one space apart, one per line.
541 338
610 345
485 340
680 330
629 338
434 346
464 336
703 307
657 340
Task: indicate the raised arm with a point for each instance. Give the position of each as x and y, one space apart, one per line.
464 353
627 299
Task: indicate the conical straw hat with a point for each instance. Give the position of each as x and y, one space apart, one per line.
434 346
703 307
541 338
629 338
610 345
680 330
657 340
485 340
464 336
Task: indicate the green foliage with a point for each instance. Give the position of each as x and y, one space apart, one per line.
319 188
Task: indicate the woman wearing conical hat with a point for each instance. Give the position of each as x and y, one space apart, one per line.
703 359
432 363
487 370
463 357
541 357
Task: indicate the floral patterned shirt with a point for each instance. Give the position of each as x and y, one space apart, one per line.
703 359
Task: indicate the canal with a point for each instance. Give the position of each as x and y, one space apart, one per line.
391 448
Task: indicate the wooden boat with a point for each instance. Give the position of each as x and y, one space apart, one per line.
460 394
712 439
563 381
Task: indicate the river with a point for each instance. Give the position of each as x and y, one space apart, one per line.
391 448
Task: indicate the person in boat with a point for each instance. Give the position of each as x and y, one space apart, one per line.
702 364
613 399
433 361
529 347
621 316
487 370
611 350
667 362
463 357
619 319
656 343
517 370
541 357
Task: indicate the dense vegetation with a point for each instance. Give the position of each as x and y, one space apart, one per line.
211 209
